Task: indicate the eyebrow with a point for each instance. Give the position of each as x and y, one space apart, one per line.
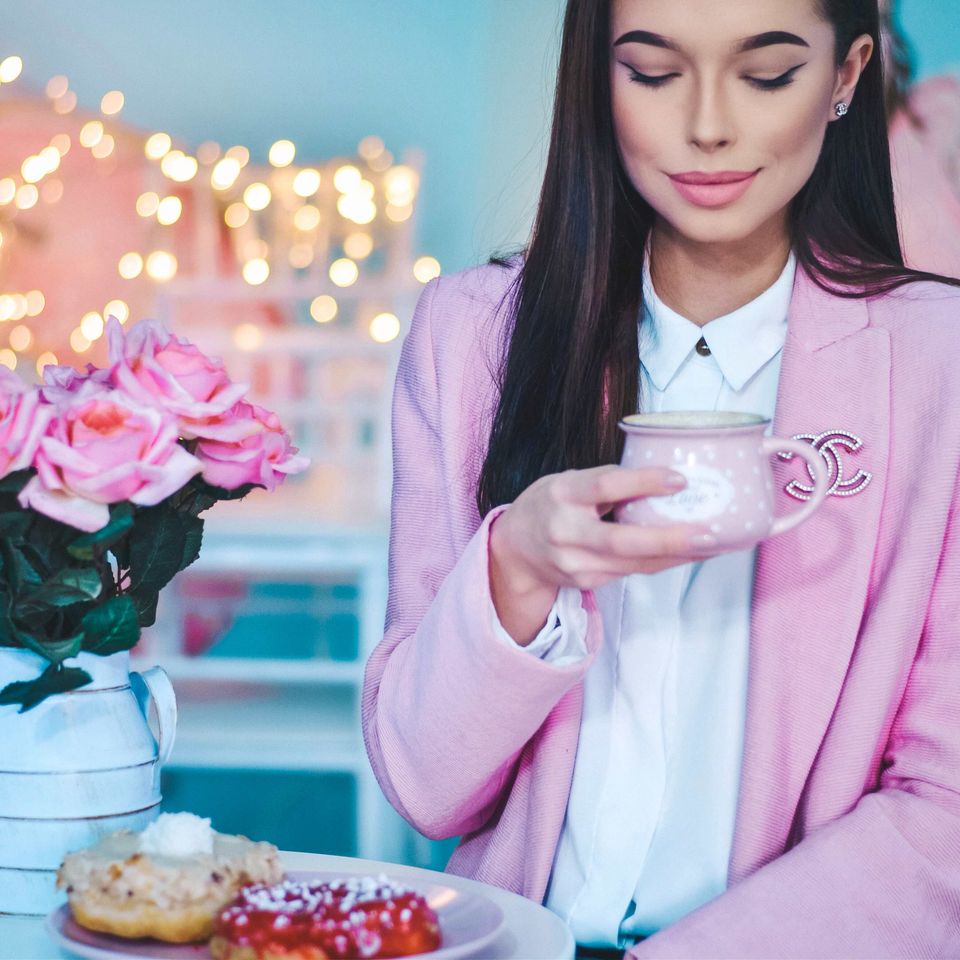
769 39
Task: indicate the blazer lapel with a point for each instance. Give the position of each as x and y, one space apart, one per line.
811 584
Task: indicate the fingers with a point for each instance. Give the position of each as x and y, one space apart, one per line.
605 486
635 542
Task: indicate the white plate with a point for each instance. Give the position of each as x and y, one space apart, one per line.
469 921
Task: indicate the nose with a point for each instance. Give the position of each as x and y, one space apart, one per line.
710 122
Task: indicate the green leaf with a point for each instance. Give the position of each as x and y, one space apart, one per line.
193 539
91 544
55 651
15 482
110 627
145 605
157 547
212 493
55 679
14 524
65 587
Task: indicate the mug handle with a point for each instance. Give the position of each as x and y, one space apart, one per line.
160 689
773 445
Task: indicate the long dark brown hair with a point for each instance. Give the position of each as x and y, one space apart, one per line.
571 368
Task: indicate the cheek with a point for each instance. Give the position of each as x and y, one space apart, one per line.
643 135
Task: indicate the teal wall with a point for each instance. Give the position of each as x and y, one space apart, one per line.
468 81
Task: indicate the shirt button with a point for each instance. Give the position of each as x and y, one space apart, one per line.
702 348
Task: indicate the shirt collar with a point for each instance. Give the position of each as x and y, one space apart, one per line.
741 342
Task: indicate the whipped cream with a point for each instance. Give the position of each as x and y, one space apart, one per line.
177 835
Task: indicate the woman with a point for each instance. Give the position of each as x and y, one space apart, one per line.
754 755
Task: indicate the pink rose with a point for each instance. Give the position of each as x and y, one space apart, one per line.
64 383
102 449
158 369
23 421
264 456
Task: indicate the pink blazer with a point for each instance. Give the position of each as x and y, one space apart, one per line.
847 839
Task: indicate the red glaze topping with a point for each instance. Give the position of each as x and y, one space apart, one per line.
361 917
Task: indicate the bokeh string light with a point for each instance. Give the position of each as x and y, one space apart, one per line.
289 225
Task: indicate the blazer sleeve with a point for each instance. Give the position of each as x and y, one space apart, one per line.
884 879
447 707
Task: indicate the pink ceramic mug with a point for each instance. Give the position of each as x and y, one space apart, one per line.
726 460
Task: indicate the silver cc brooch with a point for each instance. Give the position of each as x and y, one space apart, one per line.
828 445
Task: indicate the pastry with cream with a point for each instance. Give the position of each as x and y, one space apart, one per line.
167 882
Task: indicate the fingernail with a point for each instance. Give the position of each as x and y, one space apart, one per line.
702 541
676 480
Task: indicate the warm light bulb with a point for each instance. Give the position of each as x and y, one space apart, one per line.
370 147
358 245
384 327
6 307
225 173
282 153
35 303
8 190
169 210
91 325
240 154
57 86
147 204
323 309
8 358
51 190
19 307
111 103
161 266
236 215
178 166
118 309
26 196
10 69
65 104
46 359
104 147
426 268
33 169
208 152
78 342
158 145
20 338
130 265
306 182
91 133
347 178
399 214
256 271
307 217
248 337
50 157
357 208
344 272
257 196
61 143
300 256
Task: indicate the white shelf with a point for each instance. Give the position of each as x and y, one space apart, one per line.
255 670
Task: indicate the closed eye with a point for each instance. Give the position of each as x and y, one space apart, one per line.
784 80
775 83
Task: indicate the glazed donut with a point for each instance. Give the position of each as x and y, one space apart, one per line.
356 917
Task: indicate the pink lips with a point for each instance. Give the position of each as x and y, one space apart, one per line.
713 189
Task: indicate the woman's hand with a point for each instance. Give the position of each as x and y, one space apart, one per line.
553 536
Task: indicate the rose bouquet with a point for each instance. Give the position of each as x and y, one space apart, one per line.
103 477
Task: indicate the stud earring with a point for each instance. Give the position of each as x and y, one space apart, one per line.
842 109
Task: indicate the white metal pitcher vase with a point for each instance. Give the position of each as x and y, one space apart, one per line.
75 767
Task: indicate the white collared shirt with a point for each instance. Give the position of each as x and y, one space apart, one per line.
649 823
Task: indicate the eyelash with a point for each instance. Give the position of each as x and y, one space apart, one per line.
777 83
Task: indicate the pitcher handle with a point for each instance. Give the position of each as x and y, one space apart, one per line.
818 468
164 698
